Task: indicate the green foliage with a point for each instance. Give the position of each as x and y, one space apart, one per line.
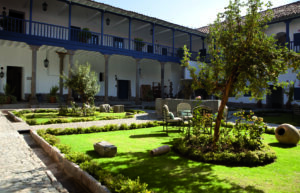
31 122
78 157
245 136
243 57
84 82
133 126
95 129
262 156
51 139
123 126
44 111
116 183
53 90
135 111
65 149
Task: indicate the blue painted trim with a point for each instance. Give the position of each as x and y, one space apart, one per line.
191 42
129 34
102 25
173 42
30 17
70 18
153 36
73 45
287 31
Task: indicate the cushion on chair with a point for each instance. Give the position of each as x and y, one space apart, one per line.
171 115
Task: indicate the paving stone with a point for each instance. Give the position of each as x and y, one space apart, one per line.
21 170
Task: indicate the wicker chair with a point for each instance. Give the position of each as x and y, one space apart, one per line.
198 113
184 110
168 117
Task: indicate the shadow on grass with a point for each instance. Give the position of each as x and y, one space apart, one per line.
282 145
149 135
171 173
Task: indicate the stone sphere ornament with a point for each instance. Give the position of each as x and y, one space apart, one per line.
287 134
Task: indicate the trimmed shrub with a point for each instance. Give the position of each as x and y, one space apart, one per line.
123 126
31 122
261 156
78 157
133 126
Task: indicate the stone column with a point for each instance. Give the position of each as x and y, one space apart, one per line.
137 81
106 57
71 64
32 99
61 69
162 83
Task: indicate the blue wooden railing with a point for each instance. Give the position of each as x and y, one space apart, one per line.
46 30
294 46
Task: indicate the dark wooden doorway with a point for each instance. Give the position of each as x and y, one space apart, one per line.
123 89
14 81
275 99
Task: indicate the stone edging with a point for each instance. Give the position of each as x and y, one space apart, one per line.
70 168
14 117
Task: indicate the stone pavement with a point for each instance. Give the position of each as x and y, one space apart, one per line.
20 168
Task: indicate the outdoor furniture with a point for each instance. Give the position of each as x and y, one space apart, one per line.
184 111
168 117
202 120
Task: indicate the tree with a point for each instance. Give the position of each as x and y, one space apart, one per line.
243 57
84 82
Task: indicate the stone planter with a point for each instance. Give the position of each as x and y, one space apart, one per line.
287 134
105 149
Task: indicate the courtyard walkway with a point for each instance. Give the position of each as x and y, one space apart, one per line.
20 169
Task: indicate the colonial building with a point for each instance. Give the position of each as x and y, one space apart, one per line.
285 26
132 53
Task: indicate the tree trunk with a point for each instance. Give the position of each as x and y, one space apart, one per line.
221 110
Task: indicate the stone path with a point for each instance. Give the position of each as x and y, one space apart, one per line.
139 118
20 168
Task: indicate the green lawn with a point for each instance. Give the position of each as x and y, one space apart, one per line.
172 173
45 117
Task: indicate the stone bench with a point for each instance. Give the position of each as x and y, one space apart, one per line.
105 149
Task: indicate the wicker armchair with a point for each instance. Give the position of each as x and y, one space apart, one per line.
168 117
199 113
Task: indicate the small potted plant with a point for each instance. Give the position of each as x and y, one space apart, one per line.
139 44
53 94
85 35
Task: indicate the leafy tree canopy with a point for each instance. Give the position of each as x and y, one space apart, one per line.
84 82
243 57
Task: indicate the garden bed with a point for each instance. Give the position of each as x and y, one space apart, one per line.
172 173
51 116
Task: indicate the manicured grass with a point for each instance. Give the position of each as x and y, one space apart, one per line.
172 173
45 117
280 118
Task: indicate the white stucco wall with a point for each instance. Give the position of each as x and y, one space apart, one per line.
122 66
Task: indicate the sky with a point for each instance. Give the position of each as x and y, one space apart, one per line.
189 13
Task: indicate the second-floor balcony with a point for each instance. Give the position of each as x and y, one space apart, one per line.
85 37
